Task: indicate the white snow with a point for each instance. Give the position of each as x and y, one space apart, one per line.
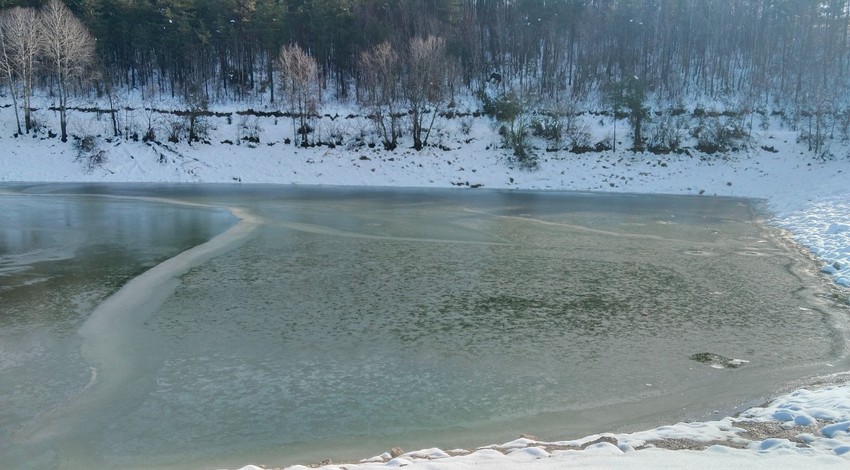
808 197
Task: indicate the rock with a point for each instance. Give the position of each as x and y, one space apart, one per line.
396 451
717 361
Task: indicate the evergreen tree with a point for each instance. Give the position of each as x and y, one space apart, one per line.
629 95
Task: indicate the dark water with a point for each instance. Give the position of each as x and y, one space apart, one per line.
343 322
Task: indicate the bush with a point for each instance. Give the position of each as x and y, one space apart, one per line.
505 107
86 144
577 131
817 130
150 135
89 153
250 129
515 138
198 127
721 134
666 134
304 130
176 129
550 128
465 125
514 126
334 133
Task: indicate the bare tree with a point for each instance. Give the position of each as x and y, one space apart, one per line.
381 73
6 67
425 83
20 48
68 49
300 87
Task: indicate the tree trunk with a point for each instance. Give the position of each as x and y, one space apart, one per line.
14 102
431 125
638 142
63 100
17 115
417 129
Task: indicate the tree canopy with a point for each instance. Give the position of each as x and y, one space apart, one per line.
771 50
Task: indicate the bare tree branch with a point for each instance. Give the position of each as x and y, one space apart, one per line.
426 83
300 86
20 48
68 49
381 73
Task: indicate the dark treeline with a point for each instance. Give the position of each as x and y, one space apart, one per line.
766 52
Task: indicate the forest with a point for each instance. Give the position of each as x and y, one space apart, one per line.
634 58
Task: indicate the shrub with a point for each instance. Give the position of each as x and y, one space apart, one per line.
89 153
176 128
515 138
250 128
666 134
86 144
505 107
550 128
466 125
509 111
149 136
720 134
198 127
576 131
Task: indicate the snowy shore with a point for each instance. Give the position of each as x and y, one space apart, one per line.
808 197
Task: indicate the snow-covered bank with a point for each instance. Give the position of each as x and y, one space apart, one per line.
808 197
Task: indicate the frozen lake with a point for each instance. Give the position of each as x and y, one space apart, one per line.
342 322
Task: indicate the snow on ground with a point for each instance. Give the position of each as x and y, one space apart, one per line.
807 196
